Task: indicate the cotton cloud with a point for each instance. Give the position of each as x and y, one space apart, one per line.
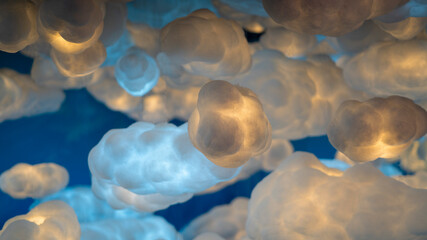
227 221
137 72
146 228
53 220
298 97
390 68
414 158
35 181
330 18
20 96
71 32
19 25
150 167
229 125
206 45
88 207
379 127
303 199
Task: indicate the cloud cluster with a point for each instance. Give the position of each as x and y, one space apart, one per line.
390 68
20 96
150 167
206 45
35 181
88 207
228 221
267 161
146 228
303 199
298 96
18 25
229 125
161 104
136 72
379 127
71 31
331 18
53 220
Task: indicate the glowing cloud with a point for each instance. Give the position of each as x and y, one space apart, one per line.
53 220
20 96
17 25
379 127
137 72
228 221
303 199
150 167
390 68
229 125
206 45
37 181
331 18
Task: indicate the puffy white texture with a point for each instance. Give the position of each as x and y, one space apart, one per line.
20 96
35 181
379 127
228 221
53 220
229 125
147 228
303 199
150 167
206 45
298 97
390 68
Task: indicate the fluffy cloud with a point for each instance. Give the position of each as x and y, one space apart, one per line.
88 207
390 68
298 97
71 32
227 221
150 167
146 228
330 18
418 180
136 72
303 199
206 45
20 96
379 127
53 220
35 181
18 25
414 158
229 125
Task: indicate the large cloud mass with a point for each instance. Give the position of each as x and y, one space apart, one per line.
150 167
303 199
379 127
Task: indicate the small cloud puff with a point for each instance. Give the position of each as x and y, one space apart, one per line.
227 221
332 18
35 181
303 199
53 220
20 96
150 167
377 128
206 45
229 125
390 68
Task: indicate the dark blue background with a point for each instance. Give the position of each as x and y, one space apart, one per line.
66 137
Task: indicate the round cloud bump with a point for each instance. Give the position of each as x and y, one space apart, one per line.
229 125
